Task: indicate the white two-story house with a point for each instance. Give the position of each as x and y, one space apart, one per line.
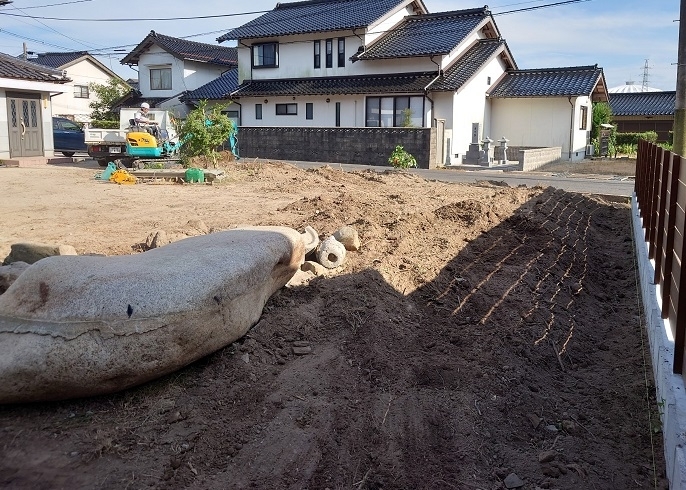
391 63
169 67
82 69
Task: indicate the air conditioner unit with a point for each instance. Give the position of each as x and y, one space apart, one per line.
590 151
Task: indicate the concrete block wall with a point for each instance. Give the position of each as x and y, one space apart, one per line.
669 387
512 152
361 146
532 159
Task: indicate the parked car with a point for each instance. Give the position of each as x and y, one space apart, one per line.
68 136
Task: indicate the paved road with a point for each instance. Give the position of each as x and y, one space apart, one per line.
586 184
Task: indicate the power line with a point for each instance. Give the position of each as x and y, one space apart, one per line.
528 9
198 17
58 32
5 31
54 4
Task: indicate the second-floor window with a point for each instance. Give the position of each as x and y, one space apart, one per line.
317 54
265 55
81 91
329 53
160 79
341 52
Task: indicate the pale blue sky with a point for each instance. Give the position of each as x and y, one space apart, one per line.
618 35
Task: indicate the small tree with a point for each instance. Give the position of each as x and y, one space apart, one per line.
107 94
203 131
602 114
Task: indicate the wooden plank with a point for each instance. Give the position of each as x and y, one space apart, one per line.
663 209
655 201
669 238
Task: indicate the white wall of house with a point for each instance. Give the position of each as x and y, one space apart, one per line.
470 106
70 104
296 60
543 121
186 75
353 110
384 25
466 43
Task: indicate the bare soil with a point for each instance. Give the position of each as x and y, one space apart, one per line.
481 331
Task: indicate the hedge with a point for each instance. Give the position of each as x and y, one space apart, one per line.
104 124
634 138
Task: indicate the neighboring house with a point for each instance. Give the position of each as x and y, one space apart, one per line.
644 111
384 63
169 67
548 107
26 109
83 69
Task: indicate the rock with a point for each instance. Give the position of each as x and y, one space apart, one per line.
348 236
157 239
301 343
83 326
569 426
33 252
547 456
302 351
246 358
551 428
534 419
331 253
9 274
314 267
513 481
311 238
199 226
550 471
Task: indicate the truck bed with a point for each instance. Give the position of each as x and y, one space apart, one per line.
94 136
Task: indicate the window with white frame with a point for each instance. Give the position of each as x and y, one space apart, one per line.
160 78
81 92
265 55
401 111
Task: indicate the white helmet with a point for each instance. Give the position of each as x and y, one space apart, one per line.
145 105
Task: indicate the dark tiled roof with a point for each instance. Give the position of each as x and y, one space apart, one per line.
56 60
643 104
549 82
134 99
424 35
186 50
406 83
313 16
468 64
11 67
217 89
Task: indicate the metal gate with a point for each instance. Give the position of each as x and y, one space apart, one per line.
25 125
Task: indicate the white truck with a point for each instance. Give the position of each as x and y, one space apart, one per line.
107 145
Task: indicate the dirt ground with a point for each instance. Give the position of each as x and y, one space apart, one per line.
482 336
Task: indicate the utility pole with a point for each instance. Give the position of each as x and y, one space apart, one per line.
680 109
25 53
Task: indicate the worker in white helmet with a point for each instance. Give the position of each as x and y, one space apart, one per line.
142 119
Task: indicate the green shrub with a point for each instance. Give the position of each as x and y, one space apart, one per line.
203 131
634 138
104 124
401 158
627 149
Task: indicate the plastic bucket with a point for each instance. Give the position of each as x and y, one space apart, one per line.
194 175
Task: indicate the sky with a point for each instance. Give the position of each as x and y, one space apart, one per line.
621 36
